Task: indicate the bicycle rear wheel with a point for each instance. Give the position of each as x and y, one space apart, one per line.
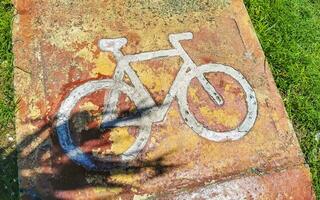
202 130
64 133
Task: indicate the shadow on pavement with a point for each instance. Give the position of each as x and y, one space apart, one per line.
44 167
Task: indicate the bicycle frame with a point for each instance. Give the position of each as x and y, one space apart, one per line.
156 113
142 99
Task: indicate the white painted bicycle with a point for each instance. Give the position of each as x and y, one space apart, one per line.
142 99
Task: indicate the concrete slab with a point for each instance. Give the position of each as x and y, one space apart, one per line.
149 100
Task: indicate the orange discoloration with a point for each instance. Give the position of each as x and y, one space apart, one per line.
23 6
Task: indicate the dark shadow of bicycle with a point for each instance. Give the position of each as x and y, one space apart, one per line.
44 167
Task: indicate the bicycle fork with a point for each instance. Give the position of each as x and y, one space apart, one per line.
213 94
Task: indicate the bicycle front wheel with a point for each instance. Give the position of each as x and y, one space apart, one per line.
198 126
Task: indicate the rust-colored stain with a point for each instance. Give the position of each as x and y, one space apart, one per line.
56 50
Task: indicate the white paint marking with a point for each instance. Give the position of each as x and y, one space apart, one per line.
150 112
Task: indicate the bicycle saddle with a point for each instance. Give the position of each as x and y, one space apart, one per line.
112 44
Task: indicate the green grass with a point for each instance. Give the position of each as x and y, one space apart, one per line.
8 168
289 31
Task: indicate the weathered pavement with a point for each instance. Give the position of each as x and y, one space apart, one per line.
66 80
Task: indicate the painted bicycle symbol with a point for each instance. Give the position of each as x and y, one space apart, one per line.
141 98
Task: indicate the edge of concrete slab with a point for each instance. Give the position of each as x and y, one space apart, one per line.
293 183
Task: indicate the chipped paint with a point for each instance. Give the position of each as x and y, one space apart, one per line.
157 75
219 116
104 65
86 54
121 140
88 106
